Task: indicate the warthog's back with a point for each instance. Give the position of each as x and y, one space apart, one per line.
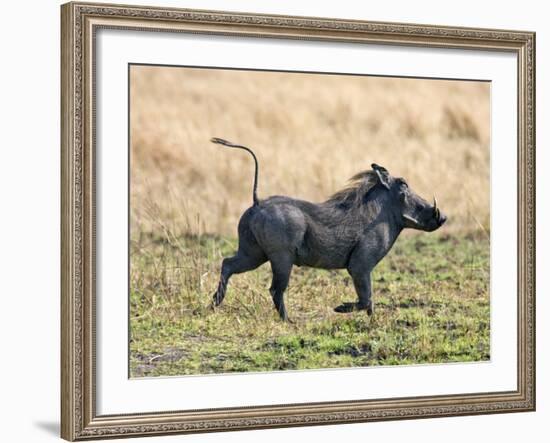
313 233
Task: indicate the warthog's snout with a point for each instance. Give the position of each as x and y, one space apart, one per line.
438 215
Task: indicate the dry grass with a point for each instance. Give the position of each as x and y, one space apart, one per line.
310 133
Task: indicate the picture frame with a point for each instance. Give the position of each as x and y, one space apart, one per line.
80 23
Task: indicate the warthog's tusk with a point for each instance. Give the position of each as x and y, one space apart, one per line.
410 219
436 210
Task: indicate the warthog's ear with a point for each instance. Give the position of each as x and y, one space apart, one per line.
383 175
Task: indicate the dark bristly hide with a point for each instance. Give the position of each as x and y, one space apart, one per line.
354 229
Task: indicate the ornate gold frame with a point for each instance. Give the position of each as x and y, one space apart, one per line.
79 21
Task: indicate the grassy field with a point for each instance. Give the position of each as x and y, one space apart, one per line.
431 306
310 133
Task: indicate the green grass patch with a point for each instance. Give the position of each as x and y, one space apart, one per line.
431 301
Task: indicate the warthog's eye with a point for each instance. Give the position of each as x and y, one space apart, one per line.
402 184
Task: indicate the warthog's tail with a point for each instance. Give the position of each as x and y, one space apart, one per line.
221 141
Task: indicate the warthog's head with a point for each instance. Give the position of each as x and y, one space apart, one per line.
414 211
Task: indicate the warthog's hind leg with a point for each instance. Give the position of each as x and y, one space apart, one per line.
237 264
281 266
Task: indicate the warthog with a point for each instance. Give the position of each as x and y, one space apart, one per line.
354 229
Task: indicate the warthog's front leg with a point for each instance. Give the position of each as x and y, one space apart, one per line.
359 268
363 289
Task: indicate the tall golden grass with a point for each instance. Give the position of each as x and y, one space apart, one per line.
311 132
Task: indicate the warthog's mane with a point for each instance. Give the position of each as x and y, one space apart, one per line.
353 195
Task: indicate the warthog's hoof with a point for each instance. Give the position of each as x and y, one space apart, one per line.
217 299
350 307
284 316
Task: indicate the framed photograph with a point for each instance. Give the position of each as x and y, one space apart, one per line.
277 221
